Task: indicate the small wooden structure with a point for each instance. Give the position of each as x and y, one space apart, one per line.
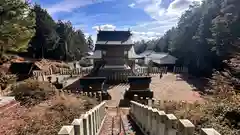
23 69
139 85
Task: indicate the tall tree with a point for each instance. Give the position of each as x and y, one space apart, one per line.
46 39
206 35
16 25
72 42
79 45
90 43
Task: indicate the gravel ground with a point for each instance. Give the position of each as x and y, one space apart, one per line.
9 118
171 88
166 88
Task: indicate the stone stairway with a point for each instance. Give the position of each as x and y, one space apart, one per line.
117 122
110 126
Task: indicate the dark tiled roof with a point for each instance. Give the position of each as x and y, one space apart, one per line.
113 36
128 42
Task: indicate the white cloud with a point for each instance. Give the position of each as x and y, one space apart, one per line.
94 37
105 27
165 18
145 35
132 5
69 5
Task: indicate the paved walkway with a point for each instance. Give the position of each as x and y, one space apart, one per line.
118 122
116 92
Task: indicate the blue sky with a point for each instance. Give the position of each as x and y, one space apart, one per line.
147 19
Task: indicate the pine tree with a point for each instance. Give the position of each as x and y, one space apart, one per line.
16 25
46 39
90 43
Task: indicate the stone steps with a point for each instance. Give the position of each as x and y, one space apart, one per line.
112 122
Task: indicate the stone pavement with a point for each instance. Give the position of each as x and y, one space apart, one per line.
117 93
111 125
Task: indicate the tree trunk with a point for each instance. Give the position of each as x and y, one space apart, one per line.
42 52
1 50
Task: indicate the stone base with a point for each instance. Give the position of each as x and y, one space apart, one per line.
115 75
129 94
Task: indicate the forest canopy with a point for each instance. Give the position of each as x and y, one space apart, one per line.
205 36
25 27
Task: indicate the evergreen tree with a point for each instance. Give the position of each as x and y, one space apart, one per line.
16 25
46 39
72 44
90 43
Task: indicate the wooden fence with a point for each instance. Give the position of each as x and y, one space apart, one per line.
154 122
62 71
99 95
153 70
89 123
37 73
178 70
119 76
76 71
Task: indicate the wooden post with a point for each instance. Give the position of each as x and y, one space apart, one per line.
85 124
66 130
42 77
77 123
149 117
100 96
154 122
135 97
209 131
150 102
170 125
185 127
161 120
145 123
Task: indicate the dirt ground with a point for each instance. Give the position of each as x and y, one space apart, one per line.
169 87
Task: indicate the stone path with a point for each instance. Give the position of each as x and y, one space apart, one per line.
111 125
116 93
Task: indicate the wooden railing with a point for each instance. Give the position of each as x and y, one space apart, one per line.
120 76
89 123
37 73
98 95
75 71
63 71
154 122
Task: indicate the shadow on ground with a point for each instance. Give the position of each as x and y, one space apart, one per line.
200 84
133 127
